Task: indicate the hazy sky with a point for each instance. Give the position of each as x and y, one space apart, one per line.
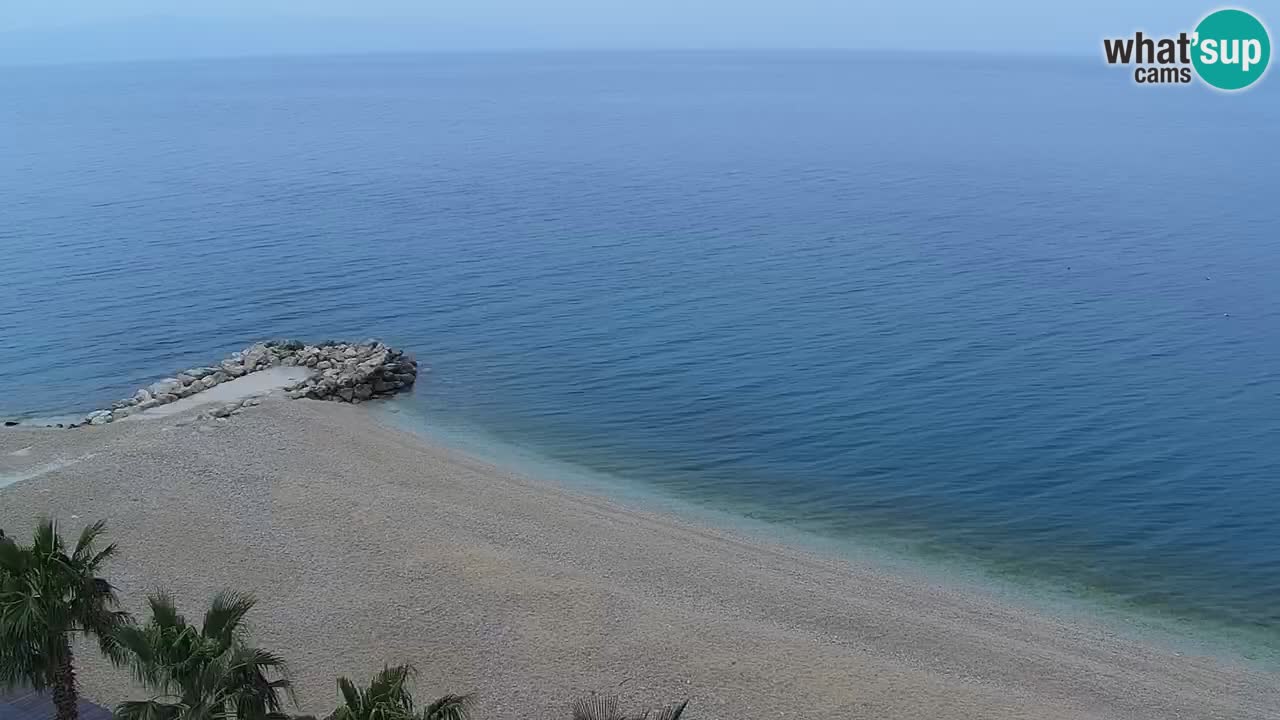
73 30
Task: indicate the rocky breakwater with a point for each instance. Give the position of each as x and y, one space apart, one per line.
352 373
343 372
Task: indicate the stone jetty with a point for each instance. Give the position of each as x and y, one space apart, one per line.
338 371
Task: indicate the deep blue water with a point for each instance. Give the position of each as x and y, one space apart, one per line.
1013 311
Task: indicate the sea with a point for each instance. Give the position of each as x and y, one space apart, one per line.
1014 315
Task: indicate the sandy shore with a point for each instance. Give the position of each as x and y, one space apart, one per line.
367 546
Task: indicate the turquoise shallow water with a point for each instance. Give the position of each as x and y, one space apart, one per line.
1064 600
1018 315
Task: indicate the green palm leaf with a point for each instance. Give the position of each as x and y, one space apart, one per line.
388 697
449 707
47 596
206 673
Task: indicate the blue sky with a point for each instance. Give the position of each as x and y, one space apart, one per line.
78 30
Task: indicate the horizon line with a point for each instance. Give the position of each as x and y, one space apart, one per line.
536 50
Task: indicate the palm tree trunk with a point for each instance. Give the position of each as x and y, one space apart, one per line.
63 684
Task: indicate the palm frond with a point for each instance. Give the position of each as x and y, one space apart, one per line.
163 612
12 557
249 671
390 685
226 615
388 697
597 707
147 710
46 596
351 697
216 675
449 707
105 624
88 536
45 539
103 555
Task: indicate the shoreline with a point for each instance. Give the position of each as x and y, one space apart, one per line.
368 544
1045 594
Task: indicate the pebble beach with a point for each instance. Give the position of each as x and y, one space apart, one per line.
368 545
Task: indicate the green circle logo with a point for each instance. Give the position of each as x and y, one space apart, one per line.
1232 49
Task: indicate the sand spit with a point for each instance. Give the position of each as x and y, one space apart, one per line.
367 545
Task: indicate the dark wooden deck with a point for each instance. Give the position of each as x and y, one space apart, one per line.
24 704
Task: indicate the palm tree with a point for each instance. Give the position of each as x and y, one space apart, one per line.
46 596
388 698
205 673
605 707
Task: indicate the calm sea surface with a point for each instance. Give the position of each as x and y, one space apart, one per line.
1015 312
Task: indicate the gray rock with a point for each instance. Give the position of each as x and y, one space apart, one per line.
364 392
254 355
323 365
208 381
185 379
167 385
220 377
382 386
142 396
223 411
289 361
102 419
252 402
147 404
166 398
347 394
